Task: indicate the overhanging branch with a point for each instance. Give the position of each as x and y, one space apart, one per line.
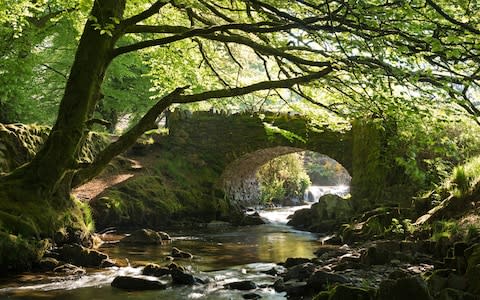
264 85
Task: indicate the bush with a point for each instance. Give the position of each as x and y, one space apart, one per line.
283 177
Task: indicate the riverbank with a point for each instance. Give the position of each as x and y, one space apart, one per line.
271 261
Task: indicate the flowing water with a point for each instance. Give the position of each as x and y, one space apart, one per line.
222 254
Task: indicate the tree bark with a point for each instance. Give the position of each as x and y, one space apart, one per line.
59 155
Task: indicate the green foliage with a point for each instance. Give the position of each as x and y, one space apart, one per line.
445 229
283 177
400 228
465 178
423 150
272 130
325 171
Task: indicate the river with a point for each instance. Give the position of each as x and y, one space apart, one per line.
222 254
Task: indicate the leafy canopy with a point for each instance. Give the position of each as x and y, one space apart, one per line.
382 56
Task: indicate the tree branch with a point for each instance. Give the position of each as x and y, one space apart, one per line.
264 85
155 8
126 140
452 20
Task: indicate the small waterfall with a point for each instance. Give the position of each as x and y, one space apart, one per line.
314 192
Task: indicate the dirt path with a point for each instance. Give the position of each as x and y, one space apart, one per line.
93 188
137 164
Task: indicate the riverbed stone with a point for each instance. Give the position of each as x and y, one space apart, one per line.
411 288
300 272
69 269
453 294
319 280
279 285
251 296
81 256
177 253
108 263
174 266
345 292
164 236
155 270
244 285
144 237
182 278
296 289
293 261
131 283
47 264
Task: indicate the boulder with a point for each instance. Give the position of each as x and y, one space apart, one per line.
130 283
155 270
241 285
293 261
181 254
164 236
108 263
323 216
438 281
144 237
334 207
69 269
180 277
174 266
72 236
319 280
411 288
376 256
472 255
279 285
251 296
345 292
47 264
81 256
327 251
300 272
253 219
296 290
452 294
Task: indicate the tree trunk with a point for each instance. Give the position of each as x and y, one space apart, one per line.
45 182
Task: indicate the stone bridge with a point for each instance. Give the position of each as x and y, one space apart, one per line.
236 145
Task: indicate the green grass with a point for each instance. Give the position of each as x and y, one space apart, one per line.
465 178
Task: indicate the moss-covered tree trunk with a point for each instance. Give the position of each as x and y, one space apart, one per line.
34 199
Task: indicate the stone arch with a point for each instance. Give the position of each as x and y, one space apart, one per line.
238 179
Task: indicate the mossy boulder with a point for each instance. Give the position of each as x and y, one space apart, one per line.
81 256
19 254
345 292
411 288
329 212
143 237
473 268
130 283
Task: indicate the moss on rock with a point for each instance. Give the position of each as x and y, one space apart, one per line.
175 189
18 253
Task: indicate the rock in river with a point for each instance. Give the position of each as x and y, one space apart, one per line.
143 236
130 283
180 254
